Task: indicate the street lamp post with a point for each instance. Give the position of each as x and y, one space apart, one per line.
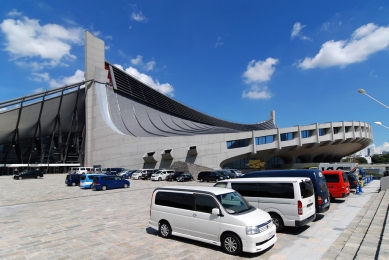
379 123
362 91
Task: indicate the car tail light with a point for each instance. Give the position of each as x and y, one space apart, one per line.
300 207
355 182
319 200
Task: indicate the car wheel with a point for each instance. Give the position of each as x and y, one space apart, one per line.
277 221
73 184
159 179
231 244
104 187
164 230
201 180
20 177
125 185
38 177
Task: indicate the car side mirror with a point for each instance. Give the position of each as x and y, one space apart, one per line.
216 211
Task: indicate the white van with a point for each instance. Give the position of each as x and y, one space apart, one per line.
290 201
161 175
212 215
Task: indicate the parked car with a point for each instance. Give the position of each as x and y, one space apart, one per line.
114 171
173 177
86 180
161 175
226 174
353 181
322 194
126 174
209 176
290 201
81 170
185 177
211 215
146 174
139 173
73 179
105 182
337 183
32 174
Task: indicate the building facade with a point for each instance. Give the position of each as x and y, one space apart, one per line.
113 119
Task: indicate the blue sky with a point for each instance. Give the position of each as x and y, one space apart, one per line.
235 60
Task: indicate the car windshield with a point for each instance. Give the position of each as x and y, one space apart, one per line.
234 203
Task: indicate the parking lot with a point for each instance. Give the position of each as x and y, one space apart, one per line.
45 219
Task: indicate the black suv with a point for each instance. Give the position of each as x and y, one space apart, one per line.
73 179
147 174
210 176
173 177
32 174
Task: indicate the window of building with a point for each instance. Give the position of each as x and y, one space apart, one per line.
237 143
306 134
322 131
347 129
286 136
336 130
275 162
264 139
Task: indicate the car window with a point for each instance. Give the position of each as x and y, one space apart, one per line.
332 177
234 203
306 189
204 203
221 184
345 178
175 200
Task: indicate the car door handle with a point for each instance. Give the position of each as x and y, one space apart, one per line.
194 215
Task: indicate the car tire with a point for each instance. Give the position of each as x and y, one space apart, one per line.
104 187
125 185
277 221
73 184
231 244
201 180
20 177
164 230
159 179
38 177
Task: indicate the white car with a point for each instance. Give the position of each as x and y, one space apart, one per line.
161 175
212 215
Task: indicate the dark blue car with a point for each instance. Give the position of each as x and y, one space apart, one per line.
105 182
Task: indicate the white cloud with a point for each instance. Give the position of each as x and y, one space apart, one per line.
137 60
219 42
296 31
259 71
257 92
366 40
150 65
14 13
137 15
40 77
27 39
56 83
165 88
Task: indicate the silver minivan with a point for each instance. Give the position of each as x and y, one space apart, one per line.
212 215
290 201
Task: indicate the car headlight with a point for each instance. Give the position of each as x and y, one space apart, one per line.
252 230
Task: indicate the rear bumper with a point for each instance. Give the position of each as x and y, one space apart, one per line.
301 223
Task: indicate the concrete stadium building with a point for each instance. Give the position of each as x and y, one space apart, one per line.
114 120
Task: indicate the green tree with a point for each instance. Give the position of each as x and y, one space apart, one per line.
255 164
361 160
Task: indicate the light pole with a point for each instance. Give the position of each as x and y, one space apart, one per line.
362 91
379 123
